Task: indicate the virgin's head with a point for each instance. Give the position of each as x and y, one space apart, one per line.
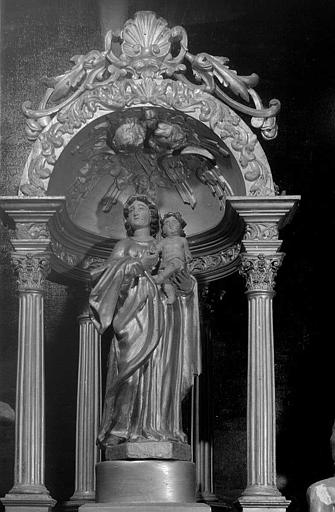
140 212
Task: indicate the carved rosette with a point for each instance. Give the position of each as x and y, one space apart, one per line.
32 270
260 271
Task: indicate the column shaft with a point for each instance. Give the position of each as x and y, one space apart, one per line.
88 410
29 429
261 397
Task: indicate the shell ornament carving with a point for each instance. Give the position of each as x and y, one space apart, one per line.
146 46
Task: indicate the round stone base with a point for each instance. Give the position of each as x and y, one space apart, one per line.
145 481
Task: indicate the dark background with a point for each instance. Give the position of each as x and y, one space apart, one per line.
290 44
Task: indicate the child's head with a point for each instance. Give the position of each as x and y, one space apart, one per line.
129 135
172 224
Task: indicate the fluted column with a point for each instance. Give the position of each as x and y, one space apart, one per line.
260 261
261 492
29 490
260 272
28 219
88 408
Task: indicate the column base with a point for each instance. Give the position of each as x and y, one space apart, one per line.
25 502
145 507
73 504
82 497
263 503
208 497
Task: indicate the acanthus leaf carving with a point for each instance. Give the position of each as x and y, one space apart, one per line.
214 261
198 265
260 271
32 231
64 254
165 93
32 269
261 231
146 52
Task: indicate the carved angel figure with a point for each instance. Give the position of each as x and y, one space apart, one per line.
146 152
164 154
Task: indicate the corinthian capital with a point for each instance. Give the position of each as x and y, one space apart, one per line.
31 269
260 270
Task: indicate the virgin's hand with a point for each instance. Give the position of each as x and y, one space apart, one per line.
149 261
183 281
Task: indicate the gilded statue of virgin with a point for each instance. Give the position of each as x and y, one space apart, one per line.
154 350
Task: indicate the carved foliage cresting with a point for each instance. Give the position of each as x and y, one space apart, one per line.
147 47
198 266
214 261
64 254
260 271
168 94
31 270
148 72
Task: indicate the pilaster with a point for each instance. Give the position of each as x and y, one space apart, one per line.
260 262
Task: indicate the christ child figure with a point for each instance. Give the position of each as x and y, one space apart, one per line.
175 252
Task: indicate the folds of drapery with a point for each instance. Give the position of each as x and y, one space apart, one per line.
154 353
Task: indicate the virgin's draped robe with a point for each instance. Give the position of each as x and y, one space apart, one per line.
154 353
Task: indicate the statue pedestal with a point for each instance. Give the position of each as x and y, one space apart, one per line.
145 481
145 485
166 450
